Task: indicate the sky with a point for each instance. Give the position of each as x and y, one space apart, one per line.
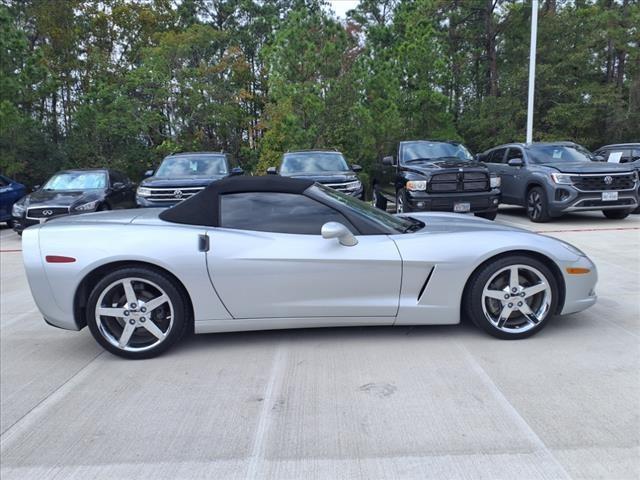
342 6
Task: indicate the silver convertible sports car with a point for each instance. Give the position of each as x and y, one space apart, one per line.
252 253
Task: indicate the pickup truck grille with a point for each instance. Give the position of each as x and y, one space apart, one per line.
459 182
173 194
46 212
604 182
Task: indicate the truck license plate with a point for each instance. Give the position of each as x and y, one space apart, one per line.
461 207
609 196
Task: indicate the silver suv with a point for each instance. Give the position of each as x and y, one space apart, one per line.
550 179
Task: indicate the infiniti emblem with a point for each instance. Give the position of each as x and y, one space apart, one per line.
177 194
608 179
47 213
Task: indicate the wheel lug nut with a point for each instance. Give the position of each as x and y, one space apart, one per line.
522 294
519 304
506 297
132 321
142 319
133 305
514 290
143 309
126 313
510 305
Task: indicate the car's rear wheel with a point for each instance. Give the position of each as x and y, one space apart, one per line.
378 200
511 298
136 312
537 205
487 215
616 214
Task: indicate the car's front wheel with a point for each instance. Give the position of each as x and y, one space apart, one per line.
378 200
401 202
537 205
616 214
512 297
136 312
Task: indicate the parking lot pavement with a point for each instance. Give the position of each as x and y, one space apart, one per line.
422 402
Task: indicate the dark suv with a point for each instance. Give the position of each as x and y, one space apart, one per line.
628 153
181 176
328 167
435 175
553 178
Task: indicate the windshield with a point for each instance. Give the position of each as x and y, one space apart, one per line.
430 151
558 153
313 162
77 181
192 166
390 223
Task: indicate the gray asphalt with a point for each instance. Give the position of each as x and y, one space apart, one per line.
362 403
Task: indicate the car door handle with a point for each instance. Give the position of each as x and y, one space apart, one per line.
203 243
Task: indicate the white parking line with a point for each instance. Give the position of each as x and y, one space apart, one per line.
511 410
276 377
28 422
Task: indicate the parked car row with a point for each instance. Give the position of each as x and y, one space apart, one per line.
549 179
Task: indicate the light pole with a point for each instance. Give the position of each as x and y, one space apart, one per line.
532 68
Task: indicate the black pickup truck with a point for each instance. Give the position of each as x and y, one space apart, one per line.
435 175
182 175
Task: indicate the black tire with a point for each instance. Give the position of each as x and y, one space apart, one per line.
472 302
11 223
616 214
174 332
487 215
401 202
537 205
378 200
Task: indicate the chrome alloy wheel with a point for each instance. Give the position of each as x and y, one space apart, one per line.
134 314
516 298
534 205
399 203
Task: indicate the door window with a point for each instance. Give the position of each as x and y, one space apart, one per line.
514 153
497 156
277 212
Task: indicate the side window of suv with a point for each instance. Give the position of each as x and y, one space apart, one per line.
497 156
514 152
277 212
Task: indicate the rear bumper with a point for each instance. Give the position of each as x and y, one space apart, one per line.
444 202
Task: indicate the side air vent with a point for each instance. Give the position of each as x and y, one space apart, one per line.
424 285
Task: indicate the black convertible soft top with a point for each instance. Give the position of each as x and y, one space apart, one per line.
203 208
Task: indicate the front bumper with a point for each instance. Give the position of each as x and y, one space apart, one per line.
146 203
444 202
567 198
580 291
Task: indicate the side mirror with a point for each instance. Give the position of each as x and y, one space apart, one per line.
236 171
388 160
148 173
356 168
515 162
272 171
339 231
118 185
599 158
477 157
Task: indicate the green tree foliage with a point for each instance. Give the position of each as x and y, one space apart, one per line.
123 82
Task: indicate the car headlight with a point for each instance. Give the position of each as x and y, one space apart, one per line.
87 206
143 192
561 178
495 181
416 185
353 185
18 209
